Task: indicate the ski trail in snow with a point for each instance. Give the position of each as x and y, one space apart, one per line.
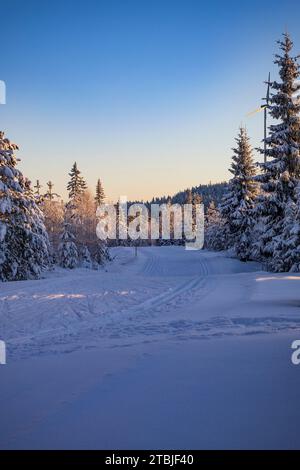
137 313
164 293
162 299
115 321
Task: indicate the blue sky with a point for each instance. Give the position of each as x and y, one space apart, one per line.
147 95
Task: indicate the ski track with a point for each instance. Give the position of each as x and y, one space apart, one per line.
57 317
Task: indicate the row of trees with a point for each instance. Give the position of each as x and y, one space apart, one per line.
38 230
208 192
259 216
72 226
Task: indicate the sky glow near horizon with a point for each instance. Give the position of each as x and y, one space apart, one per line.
148 96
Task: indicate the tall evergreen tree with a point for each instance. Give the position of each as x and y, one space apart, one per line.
282 170
77 188
238 200
100 195
24 243
76 185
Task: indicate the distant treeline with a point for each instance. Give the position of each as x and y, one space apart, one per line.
208 192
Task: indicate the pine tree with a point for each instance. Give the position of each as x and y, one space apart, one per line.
85 257
213 235
101 253
67 250
37 188
50 194
100 196
286 255
76 185
77 188
24 243
238 201
37 192
282 171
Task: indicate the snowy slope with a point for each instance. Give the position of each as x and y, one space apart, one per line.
137 361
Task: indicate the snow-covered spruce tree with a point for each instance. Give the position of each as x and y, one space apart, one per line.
286 254
238 201
67 249
100 195
101 254
281 172
76 188
36 217
213 233
85 257
24 244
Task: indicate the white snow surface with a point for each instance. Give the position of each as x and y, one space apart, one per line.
173 349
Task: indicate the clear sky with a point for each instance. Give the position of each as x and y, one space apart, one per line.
147 95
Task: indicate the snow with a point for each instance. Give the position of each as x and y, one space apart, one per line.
3 229
172 349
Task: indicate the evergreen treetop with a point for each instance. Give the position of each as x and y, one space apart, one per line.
100 195
284 137
77 184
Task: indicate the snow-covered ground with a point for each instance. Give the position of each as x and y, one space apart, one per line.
172 349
